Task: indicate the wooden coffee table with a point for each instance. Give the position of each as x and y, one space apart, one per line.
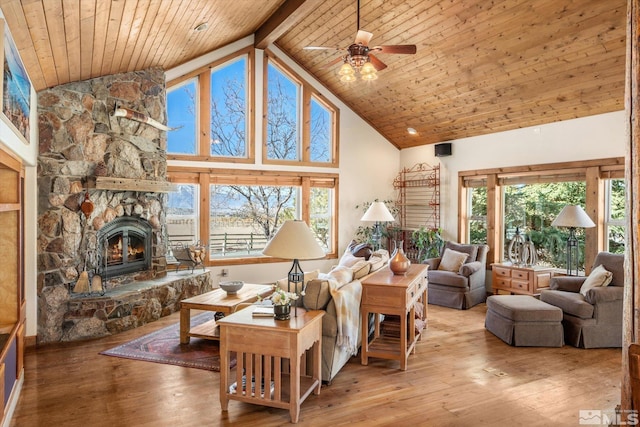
219 301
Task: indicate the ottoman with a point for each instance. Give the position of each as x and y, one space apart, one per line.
524 321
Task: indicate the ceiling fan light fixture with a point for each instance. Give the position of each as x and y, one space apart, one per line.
368 72
347 78
346 70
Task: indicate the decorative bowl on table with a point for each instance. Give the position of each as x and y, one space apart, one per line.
231 287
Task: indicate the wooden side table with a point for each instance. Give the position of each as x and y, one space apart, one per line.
521 280
262 344
386 293
219 301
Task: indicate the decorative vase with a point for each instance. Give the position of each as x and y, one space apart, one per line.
399 263
282 312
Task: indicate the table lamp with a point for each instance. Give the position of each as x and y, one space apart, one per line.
572 217
377 212
295 241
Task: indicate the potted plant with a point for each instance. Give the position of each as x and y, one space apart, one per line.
428 241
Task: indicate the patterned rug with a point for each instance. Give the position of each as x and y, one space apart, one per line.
163 346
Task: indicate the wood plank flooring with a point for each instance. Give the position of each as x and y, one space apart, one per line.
460 375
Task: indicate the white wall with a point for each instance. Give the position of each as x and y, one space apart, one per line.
368 164
594 137
28 153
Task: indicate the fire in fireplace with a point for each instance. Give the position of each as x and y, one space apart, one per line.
124 246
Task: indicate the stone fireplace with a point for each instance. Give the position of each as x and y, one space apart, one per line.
102 189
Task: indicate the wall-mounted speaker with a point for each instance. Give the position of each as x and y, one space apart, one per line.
443 150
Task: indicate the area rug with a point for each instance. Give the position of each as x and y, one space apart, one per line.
163 346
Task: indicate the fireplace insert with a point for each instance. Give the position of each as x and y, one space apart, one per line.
124 246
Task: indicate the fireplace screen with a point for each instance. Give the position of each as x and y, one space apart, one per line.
125 246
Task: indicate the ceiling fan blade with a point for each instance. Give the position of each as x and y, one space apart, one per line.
334 62
363 37
398 48
379 65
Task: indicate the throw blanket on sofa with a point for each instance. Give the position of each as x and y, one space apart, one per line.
347 301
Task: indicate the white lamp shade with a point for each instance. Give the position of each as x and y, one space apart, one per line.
377 212
573 216
294 240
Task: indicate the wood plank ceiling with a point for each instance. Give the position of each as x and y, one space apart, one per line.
481 66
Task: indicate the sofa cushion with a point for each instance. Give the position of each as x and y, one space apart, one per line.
360 269
448 278
599 276
284 284
378 259
316 295
471 250
572 303
452 260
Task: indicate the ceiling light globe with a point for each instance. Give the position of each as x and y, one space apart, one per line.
368 68
369 77
347 78
346 70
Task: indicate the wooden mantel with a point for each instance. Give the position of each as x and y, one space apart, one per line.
129 184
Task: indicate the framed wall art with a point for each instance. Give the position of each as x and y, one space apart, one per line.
16 88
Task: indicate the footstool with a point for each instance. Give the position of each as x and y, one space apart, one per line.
524 321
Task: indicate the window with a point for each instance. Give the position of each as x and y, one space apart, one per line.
229 102
240 211
183 214
494 203
615 222
531 208
478 215
300 126
181 112
209 109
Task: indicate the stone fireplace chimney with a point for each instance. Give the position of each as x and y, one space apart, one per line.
119 162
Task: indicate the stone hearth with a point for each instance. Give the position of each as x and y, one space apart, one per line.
81 145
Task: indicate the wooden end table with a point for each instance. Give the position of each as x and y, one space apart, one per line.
219 301
387 293
261 345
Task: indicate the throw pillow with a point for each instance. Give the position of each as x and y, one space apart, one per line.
348 259
599 276
452 260
284 283
378 259
471 250
361 249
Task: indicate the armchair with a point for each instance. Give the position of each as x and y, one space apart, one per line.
465 286
592 320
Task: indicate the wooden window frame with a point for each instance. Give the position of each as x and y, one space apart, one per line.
204 177
307 93
203 75
593 172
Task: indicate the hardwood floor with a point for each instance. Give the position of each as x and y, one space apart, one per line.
461 375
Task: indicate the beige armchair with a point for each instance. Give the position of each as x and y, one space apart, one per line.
464 287
593 320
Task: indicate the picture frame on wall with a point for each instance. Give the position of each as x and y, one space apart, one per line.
16 87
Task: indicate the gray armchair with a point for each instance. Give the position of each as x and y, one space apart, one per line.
594 320
460 289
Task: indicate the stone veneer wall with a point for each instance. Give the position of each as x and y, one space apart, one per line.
79 140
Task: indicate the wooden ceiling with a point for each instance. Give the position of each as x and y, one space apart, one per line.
481 66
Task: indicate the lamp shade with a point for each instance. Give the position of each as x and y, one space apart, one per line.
377 212
573 216
294 240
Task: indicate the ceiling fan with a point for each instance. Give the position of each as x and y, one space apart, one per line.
359 56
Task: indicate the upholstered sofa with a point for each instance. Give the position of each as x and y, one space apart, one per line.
338 293
461 286
591 318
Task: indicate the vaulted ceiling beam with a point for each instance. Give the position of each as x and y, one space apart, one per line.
287 15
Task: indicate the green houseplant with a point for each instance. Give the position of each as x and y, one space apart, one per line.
428 241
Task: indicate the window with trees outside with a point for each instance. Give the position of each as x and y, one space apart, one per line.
496 204
235 211
300 125
208 111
